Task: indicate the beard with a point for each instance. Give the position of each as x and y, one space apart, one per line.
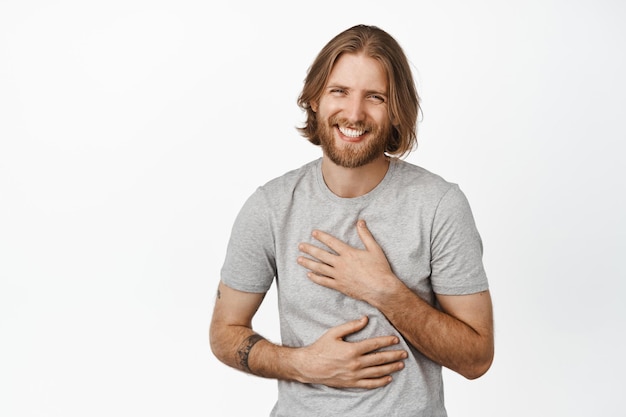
353 155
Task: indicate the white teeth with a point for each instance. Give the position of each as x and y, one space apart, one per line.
352 133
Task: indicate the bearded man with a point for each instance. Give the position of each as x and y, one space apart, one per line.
377 262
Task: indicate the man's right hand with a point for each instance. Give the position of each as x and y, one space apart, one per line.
330 360
336 363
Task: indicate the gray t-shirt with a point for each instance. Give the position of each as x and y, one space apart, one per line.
426 229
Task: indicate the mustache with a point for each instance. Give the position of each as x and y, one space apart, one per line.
343 122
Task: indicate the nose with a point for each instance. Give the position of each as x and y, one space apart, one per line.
355 109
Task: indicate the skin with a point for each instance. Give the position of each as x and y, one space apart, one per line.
330 360
356 93
460 336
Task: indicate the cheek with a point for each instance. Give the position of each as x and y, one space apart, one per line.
382 115
328 105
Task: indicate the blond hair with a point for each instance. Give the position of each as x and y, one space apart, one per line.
403 98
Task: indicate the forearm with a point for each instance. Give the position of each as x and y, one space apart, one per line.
330 360
438 335
243 349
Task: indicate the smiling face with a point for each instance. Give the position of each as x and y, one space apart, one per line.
352 113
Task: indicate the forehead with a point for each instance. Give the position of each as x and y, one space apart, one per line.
358 71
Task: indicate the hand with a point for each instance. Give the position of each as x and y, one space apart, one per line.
336 363
360 274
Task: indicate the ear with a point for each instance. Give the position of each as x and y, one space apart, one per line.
314 105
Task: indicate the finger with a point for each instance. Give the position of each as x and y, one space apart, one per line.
323 280
316 267
377 376
332 242
347 328
376 343
366 236
372 383
377 372
317 253
383 358
382 370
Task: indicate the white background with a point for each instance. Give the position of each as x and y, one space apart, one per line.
131 132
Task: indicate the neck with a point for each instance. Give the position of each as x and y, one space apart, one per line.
354 182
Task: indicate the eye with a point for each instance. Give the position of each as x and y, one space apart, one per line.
337 91
376 98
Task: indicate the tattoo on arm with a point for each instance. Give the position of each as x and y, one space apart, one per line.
219 294
244 350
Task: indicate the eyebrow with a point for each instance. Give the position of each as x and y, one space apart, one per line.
380 93
368 92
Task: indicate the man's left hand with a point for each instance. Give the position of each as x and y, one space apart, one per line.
363 274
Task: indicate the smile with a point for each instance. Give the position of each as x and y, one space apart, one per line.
351 133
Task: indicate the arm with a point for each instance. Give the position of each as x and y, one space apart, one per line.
330 360
231 334
459 337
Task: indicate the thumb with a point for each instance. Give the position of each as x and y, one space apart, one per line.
350 327
366 236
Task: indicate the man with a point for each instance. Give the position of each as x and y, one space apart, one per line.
378 263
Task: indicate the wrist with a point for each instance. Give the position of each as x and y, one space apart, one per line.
279 362
390 289
296 361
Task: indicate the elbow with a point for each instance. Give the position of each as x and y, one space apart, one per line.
217 347
212 343
477 370
479 366
214 347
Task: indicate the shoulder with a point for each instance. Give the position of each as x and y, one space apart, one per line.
282 187
270 201
417 179
445 199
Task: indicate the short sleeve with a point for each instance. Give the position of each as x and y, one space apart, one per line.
456 248
250 263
